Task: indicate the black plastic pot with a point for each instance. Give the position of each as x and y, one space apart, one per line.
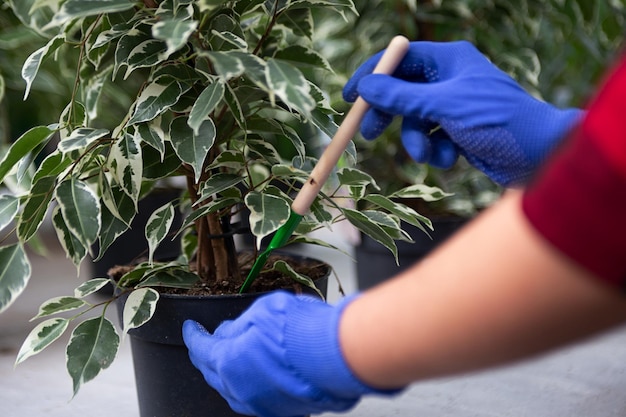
375 263
168 385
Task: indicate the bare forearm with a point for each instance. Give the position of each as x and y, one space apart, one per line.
496 292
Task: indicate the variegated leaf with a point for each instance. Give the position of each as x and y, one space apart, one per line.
22 147
218 183
288 83
158 226
171 278
2 88
80 208
126 165
92 347
157 97
371 229
116 201
175 33
33 62
403 212
90 287
41 337
58 305
153 137
205 104
9 207
355 177
81 138
36 207
93 91
299 55
146 54
53 165
125 46
15 273
267 213
284 268
112 228
75 250
139 308
423 191
189 147
73 9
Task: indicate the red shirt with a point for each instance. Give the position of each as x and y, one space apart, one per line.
578 202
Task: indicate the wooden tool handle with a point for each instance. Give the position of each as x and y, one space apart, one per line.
394 53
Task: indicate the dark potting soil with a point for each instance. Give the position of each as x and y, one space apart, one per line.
268 279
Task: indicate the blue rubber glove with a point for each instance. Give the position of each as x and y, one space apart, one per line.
280 358
483 114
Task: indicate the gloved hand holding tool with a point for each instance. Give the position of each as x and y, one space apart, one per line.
386 64
454 101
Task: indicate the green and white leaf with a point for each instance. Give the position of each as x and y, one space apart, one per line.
15 271
22 147
286 269
58 305
90 287
126 164
231 39
147 54
33 62
53 165
153 135
207 102
139 308
175 33
41 337
158 226
289 85
300 55
126 45
36 207
423 191
92 347
80 208
267 213
355 177
403 212
371 229
73 247
93 91
189 147
210 207
2 87
171 278
9 207
73 9
218 183
81 138
112 228
157 97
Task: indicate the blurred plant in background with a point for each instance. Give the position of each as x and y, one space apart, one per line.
556 49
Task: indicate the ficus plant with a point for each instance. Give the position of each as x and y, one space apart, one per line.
225 98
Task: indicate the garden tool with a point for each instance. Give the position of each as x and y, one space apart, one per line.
392 56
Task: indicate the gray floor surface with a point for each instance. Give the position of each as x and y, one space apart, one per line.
584 380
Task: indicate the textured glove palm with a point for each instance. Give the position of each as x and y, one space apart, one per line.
482 113
281 358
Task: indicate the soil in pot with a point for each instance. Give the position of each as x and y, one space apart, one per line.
168 385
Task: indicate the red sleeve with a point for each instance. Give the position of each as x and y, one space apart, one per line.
578 202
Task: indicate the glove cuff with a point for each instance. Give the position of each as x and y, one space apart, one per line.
313 349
